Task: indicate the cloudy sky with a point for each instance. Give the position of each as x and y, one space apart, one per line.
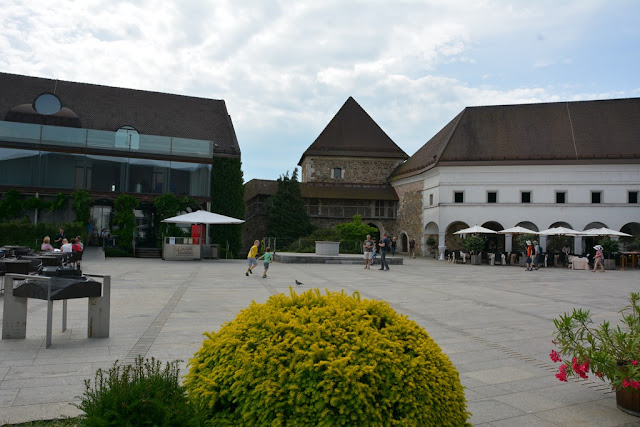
285 68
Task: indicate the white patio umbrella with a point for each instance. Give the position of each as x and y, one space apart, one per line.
560 231
476 229
604 231
202 217
517 230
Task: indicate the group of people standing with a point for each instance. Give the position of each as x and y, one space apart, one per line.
369 248
62 243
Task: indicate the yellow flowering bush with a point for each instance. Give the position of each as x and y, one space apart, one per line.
324 360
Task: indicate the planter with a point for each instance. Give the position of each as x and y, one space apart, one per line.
327 248
628 400
609 264
476 259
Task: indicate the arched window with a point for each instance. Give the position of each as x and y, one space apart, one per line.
337 173
127 137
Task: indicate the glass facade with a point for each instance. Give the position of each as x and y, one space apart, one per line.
78 168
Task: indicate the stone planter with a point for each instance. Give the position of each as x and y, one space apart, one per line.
476 259
327 248
628 400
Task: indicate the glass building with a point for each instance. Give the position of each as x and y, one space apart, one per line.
59 136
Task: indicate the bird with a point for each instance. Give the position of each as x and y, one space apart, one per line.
299 283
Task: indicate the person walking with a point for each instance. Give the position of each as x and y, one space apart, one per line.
529 260
367 248
385 244
599 259
412 248
267 257
537 254
251 257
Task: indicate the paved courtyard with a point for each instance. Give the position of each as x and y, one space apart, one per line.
494 322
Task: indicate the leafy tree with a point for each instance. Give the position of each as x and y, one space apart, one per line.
58 203
475 244
10 205
168 205
288 217
125 219
227 198
354 230
81 205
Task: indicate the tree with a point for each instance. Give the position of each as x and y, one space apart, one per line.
166 206
288 217
227 198
354 230
81 205
10 205
125 219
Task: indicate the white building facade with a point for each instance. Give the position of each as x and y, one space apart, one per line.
504 166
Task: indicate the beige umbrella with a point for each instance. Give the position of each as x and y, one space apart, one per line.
476 229
605 232
517 230
560 231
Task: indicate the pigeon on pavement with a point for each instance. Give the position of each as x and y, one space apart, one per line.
299 283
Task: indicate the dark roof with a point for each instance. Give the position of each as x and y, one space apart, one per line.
353 133
265 187
569 132
110 108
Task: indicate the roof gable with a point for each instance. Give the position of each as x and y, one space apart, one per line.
581 131
352 132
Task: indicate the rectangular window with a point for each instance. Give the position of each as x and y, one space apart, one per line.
596 196
561 197
492 197
431 199
525 197
633 197
458 197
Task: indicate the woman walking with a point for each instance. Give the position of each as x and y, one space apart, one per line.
599 259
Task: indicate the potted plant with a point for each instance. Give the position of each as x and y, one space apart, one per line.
609 247
610 353
475 246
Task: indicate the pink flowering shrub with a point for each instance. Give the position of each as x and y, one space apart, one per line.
610 353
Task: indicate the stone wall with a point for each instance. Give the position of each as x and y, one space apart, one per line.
410 208
355 170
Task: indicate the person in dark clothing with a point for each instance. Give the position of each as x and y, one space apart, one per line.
59 238
393 246
385 243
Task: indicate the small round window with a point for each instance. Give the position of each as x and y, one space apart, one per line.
47 104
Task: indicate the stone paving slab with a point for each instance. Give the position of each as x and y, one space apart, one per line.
494 322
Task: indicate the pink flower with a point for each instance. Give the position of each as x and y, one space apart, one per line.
634 384
563 368
634 362
555 356
599 374
625 383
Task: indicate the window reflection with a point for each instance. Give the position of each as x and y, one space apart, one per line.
148 176
190 179
61 170
18 167
106 173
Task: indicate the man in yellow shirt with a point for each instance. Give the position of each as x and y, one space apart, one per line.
251 257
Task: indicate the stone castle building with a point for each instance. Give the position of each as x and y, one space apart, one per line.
345 172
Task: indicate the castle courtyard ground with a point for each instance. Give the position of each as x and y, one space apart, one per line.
494 323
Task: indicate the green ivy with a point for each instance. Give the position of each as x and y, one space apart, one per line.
125 219
81 205
227 198
288 217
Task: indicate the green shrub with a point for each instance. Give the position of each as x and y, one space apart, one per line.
324 360
143 394
116 252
